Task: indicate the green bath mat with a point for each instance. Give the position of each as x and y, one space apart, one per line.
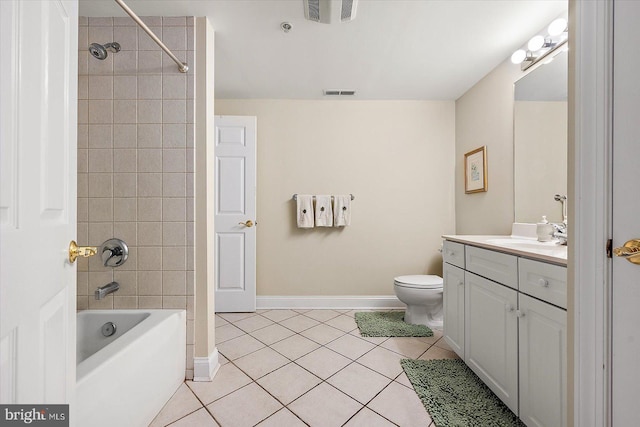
388 324
454 396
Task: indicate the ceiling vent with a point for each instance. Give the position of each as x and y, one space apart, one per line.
330 11
333 92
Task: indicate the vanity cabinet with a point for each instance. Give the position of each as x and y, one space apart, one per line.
504 314
453 301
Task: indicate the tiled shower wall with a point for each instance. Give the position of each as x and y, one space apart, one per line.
135 165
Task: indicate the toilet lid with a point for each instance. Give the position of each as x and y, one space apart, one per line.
419 281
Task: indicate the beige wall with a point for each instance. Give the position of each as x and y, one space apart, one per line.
484 116
135 166
395 157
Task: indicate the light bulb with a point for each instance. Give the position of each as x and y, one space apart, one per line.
536 43
557 27
518 56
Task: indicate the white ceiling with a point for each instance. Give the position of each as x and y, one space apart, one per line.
394 49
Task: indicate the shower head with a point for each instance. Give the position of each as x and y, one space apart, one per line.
99 51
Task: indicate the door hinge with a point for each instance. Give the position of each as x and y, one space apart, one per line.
610 248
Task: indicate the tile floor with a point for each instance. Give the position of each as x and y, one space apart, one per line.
288 368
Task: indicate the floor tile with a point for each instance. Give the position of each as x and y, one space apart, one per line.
227 332
431 340
289 382
227 380
222 360
239 347
219 321
279 315
350 346
261 362
323 362
299 323
324 406
322 334
436 352
182 403
272 334
342 322
383 361
372 340
232 411
404 380
253 323
359 382
200 418
367 418
234 317
322 315
442 343
408 347
400 405
295 346
282 418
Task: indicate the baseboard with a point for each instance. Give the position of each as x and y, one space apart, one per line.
205 368
337 301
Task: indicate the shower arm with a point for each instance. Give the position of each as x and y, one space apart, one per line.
182 66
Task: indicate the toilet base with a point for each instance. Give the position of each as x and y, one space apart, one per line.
420 315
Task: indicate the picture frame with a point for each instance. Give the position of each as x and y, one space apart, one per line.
475 171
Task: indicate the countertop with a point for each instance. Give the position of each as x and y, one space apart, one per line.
521 246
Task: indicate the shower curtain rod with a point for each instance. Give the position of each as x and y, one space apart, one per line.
182 66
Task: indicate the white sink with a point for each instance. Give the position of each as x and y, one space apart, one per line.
522 243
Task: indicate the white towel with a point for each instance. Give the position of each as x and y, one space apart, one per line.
324 213
305 211
342 210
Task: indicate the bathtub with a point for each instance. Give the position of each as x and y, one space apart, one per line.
125 379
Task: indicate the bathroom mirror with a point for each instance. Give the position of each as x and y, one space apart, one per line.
540 141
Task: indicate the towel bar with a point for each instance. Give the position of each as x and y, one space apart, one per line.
295 197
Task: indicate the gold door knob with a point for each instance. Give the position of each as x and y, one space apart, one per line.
84 251
248 223
630 250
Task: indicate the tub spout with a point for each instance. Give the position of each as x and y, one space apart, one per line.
105 290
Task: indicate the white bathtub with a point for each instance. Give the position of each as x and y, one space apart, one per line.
125 379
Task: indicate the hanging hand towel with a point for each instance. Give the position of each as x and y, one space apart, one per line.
305 211
324 213
342 210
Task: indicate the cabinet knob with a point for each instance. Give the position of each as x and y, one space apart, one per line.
543 282
460 283
509 308
520 314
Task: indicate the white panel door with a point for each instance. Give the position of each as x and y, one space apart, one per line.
491 336
235 214
453 301
543 363
38 113
626 205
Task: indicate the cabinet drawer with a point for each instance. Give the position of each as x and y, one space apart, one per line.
547 282
453 253
499 267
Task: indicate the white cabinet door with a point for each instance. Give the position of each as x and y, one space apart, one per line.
491 336
543 363
454 307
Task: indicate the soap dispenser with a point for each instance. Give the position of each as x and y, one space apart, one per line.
544 230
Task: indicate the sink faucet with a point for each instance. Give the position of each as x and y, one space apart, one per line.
560 233
563 200
107 289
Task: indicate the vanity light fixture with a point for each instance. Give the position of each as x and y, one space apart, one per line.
542 46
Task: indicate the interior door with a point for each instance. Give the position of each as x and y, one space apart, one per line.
38 109
626 221
235 214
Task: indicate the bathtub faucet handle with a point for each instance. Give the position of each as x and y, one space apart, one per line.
76 251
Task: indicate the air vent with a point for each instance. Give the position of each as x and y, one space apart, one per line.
333 92
330 11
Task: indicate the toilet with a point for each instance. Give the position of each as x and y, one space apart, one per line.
423 296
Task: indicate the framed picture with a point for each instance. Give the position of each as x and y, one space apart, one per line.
475 171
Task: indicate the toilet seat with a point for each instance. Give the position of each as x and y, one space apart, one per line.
419 281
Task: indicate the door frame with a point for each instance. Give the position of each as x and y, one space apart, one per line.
590 187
